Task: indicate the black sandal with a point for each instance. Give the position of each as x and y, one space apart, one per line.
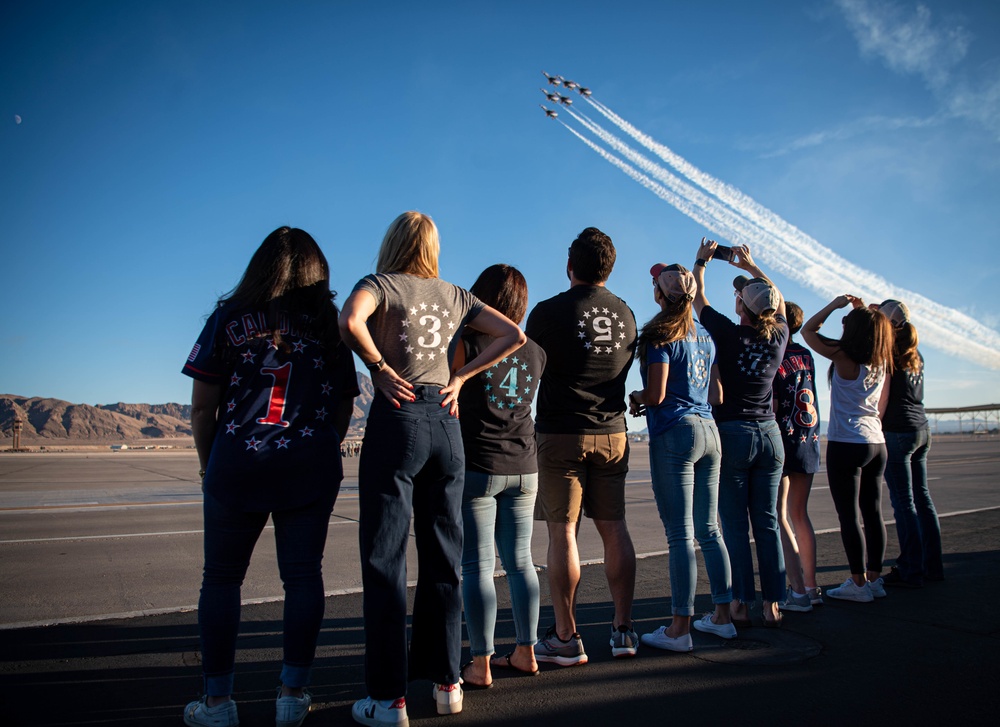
466 684
510 665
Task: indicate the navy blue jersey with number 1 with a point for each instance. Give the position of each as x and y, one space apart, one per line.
276 445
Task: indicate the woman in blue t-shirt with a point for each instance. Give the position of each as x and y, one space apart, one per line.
677 363
274 389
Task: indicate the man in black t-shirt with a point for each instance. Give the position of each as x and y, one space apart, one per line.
588 335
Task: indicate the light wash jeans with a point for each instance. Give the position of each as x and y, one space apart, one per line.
684 464
752 459
500 508
913 509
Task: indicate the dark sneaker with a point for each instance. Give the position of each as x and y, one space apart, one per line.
895 578
553 650
793 602
624 641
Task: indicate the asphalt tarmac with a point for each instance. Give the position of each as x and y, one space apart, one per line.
917 657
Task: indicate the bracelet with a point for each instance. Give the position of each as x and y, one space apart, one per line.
700 263
377 366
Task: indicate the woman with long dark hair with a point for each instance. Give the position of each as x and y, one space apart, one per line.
677 364
752 454
907 443
272 399
501 482
855 450
406 323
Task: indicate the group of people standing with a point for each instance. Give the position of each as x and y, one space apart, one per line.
730 408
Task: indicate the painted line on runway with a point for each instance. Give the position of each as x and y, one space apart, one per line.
94 506
338 592
117 536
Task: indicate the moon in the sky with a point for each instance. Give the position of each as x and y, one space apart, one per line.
17 119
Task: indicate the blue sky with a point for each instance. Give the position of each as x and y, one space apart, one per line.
159 143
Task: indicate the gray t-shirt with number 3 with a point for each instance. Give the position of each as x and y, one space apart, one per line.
418 323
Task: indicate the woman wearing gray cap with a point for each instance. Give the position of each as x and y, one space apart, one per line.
907 442
752 453
677 363
855 450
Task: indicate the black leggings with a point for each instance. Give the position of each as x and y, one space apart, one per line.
855 475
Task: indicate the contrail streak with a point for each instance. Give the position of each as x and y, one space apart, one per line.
731 213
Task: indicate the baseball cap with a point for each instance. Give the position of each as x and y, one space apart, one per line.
675 281
758 295
896 312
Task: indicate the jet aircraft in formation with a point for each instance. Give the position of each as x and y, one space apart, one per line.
548 112
551 95
560 81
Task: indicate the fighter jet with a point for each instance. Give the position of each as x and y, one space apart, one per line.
569 84
584 91
565 100
553 80
551 95
549 112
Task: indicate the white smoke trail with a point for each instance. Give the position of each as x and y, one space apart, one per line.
782 245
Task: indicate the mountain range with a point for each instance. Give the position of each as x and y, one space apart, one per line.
57 421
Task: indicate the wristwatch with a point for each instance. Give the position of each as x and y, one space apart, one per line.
377 366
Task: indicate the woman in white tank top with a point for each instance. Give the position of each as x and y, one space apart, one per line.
855 454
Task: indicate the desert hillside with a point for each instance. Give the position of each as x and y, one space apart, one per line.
55 420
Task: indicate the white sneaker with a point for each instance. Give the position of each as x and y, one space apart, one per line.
291 711
707 625
878 588
448 698
659 640
381 712
851 591
199 714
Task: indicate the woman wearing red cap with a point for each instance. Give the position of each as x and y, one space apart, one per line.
677 363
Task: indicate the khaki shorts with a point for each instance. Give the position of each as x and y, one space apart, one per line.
581 472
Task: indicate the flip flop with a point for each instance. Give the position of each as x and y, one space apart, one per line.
466 684
510 665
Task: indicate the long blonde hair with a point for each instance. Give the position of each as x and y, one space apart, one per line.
672 323
411 245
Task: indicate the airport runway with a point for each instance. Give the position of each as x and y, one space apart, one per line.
93 535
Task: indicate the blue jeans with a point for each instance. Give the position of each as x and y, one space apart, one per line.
752 459
684 464
412 464
499 507
916 517
230 537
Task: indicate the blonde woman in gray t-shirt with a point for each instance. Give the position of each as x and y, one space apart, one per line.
405 323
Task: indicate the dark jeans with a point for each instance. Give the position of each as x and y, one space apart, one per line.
412 464
230 537
855 474
752 459
916 517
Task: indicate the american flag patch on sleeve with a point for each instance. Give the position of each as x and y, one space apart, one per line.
194 352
